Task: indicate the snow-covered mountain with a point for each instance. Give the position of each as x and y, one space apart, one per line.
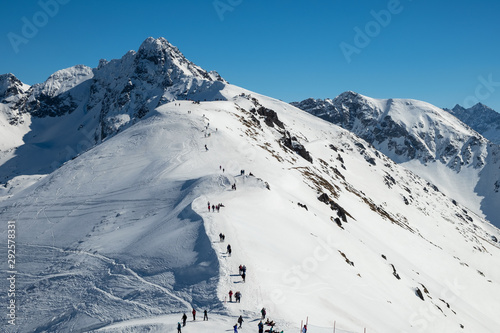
120 238
78 107
425 139
481 118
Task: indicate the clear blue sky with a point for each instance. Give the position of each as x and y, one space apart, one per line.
443 52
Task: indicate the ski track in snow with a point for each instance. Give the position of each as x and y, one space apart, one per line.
114 263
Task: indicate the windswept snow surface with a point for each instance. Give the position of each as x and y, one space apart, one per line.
120 239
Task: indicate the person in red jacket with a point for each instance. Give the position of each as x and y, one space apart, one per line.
230 295
194 314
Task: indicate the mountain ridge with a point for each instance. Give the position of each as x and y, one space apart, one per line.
118 237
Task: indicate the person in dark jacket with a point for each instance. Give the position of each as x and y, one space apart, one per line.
205 315
240 321
178 327
184 318
261 327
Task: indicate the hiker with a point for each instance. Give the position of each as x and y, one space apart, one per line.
206 148
213 208
205 315
229 249
178 327
235 328
209 207
240 269
263 312
243 276
230 295
184 318
237 295
221 238
261 327
240 320
244 269
194 314
304 329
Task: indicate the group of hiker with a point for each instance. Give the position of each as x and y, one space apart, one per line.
184 318
237 296
243 272
215 207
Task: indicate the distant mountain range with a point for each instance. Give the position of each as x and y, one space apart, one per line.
429 141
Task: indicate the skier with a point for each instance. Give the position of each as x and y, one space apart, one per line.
178 327
235 328
243 276
205 315
263 312
240 321
184 318
261 327
229 249
194 314
230 295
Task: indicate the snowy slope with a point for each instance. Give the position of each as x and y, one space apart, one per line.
425 139
120 239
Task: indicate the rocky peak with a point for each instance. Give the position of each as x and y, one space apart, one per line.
481 118
10 85
170 60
